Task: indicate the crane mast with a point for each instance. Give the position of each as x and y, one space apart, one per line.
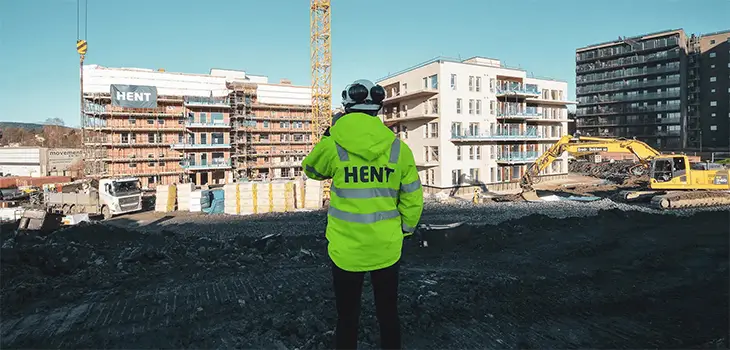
321 61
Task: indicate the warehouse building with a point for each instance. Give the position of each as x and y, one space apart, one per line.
39 161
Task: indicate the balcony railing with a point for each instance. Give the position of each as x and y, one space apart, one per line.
620 85
516 134
528 112
215 163
625 61
623 50
200 145
630 72
528 156
207 101
589 123
211 124
517 88
635 97
626 109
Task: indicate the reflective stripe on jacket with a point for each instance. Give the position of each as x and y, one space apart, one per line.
376 196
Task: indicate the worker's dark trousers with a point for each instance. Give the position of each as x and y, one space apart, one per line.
348 292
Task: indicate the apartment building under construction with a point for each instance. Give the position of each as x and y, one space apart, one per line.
201 128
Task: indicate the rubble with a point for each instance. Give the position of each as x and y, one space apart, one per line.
530 275
619 172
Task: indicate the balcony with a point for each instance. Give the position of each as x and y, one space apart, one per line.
625 98
412 115
109 110
207 125
626 61
626 109
616 50
517 157
517 89
625 73
400 96
188 146
215 163
519 113
622 85
196 101
504 134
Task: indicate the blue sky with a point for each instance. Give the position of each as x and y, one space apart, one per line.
39 64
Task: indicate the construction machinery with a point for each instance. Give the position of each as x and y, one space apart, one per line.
674 181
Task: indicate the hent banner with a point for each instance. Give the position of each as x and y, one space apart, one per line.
134 96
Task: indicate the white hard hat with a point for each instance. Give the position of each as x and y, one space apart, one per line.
363 95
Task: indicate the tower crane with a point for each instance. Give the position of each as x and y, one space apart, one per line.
321 62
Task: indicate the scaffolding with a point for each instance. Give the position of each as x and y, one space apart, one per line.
242 98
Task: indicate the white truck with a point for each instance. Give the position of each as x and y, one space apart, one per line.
106 197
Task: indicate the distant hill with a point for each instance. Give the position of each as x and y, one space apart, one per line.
34 134
26 126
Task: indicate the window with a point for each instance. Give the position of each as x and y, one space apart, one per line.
713 79
434 129
151 138
434 106
433 176
479 84
713 90
150 121
203 117
425 83
712 66
458 152
132 120
471 83
434 81
474 174
203 139
453 81
456 129
491 107
713 127
713 54
266 123
458 106
125 138
217 117
456 177
713 103
492 175
471 106
712 41
471 152
713 115
491 85
479 152
479 106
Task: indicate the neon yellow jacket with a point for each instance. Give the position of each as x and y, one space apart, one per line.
376 196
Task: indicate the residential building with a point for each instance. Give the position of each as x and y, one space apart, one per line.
193 133
661 88
708 113
475 121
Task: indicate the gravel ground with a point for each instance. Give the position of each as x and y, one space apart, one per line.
517 275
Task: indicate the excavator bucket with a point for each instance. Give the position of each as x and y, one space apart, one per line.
530 196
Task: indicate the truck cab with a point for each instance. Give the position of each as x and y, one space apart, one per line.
121 195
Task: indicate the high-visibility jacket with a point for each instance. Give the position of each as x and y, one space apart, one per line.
376 196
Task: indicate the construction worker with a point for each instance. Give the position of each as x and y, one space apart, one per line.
376 200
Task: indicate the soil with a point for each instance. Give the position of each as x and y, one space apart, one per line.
614 280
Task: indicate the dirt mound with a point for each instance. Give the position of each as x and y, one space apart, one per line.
658 281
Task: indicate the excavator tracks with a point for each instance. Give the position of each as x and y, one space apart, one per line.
694 199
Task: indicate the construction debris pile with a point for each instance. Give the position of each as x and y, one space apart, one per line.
616 279
618 171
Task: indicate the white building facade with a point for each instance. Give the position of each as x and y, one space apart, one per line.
475 121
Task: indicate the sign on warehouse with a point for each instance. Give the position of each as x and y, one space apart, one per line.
134 96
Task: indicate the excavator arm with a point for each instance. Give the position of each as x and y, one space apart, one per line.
585 145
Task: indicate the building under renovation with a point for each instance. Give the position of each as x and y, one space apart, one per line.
202 128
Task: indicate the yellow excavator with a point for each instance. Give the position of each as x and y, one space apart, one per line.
674 181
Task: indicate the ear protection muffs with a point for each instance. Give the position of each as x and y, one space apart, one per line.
359 94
